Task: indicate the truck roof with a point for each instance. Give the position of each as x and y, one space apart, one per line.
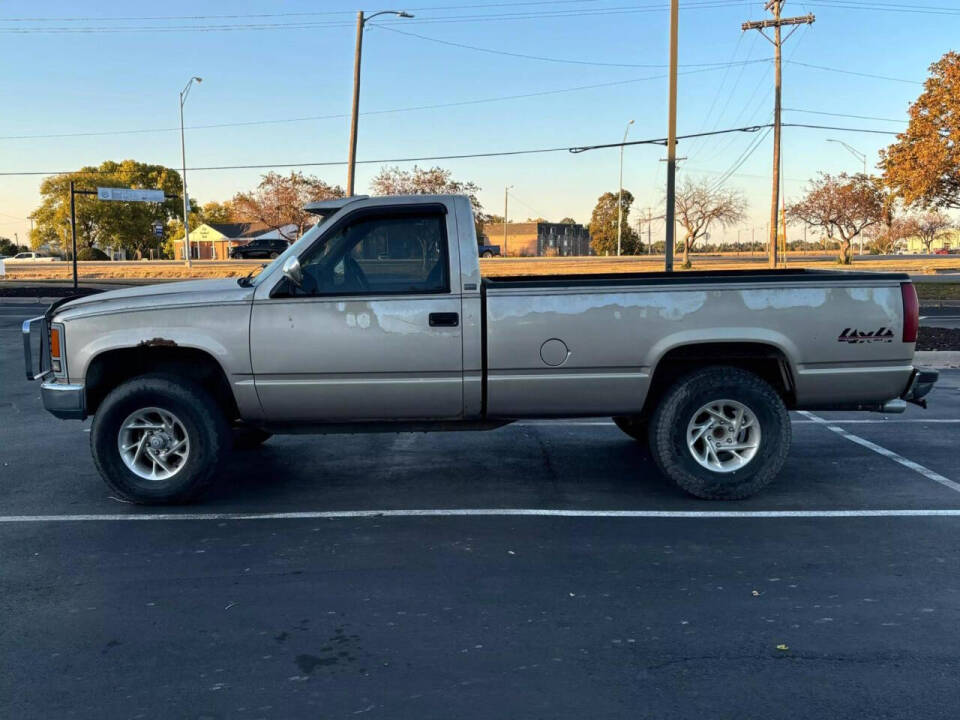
328 207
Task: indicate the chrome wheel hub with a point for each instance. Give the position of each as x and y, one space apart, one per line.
153 443
723 435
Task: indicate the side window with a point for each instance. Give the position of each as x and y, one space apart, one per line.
380 255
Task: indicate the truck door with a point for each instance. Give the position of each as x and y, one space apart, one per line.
374 332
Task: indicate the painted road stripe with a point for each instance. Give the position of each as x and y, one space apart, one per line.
916 467
890 421
469 512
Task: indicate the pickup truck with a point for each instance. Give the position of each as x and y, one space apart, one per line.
377 320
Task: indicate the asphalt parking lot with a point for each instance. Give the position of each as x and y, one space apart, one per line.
543 570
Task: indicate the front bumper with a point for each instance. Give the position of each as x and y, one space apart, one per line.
65 401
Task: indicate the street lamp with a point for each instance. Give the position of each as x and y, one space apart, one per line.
862 158
505 195
853 151
620 195
361 21
183 159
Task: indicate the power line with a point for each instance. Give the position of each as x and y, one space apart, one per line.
465 156
567 61
311 118
846 115
886 7
852 72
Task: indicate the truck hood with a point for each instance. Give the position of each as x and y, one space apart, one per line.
155 297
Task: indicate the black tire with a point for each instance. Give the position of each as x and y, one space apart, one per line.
202 418
274 256
487 254
249 438
669 424
634 427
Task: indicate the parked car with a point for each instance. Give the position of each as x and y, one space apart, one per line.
259 248
942 251
30 257
487 251
378 320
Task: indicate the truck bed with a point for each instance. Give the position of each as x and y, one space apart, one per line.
712 277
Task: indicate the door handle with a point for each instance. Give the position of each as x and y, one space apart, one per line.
444 319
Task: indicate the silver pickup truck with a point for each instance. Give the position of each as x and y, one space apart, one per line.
378 319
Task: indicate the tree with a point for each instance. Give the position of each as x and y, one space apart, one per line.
568 221
217 212
699 206
929 226
127 225
9 247
603 226
423 181
923 165
279 200
846 205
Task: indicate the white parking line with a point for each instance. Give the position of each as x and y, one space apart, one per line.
469 512
874 421
916 467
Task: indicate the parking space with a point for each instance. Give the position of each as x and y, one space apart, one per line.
802 597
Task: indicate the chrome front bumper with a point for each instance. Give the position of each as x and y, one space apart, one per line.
67 402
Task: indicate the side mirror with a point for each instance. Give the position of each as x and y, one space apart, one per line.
292 272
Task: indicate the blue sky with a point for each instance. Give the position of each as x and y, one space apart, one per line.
127 78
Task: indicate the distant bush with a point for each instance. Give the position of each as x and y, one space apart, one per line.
92 253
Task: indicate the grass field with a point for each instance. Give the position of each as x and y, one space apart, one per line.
492 267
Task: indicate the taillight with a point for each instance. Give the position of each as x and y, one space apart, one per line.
911 312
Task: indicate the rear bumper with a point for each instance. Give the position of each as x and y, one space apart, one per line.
63 400
921 383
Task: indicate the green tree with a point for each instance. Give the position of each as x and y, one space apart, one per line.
219 212
9 247
603 226
126 225
923 165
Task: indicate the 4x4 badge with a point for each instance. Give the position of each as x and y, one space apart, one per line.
852 335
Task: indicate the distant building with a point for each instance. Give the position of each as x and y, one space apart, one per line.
539 239
212 241
947 240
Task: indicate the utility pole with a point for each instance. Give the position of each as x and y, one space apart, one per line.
73 231
775 6
672 139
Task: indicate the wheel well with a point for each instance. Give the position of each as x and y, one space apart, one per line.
767 361
108 370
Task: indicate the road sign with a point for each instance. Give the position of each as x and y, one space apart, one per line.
158 229
130 195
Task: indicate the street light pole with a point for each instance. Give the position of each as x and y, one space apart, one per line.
183 160
620 194
505 196
862 157
358 52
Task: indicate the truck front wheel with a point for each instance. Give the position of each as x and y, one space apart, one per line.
721 433
158 439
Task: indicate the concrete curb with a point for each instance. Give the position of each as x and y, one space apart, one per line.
27 300
943 359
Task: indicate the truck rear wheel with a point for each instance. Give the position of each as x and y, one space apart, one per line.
157 439
721 433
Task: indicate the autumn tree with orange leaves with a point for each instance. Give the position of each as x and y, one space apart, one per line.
923 165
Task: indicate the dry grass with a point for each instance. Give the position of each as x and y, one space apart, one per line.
492 267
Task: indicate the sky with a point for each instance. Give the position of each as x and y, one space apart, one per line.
101 80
